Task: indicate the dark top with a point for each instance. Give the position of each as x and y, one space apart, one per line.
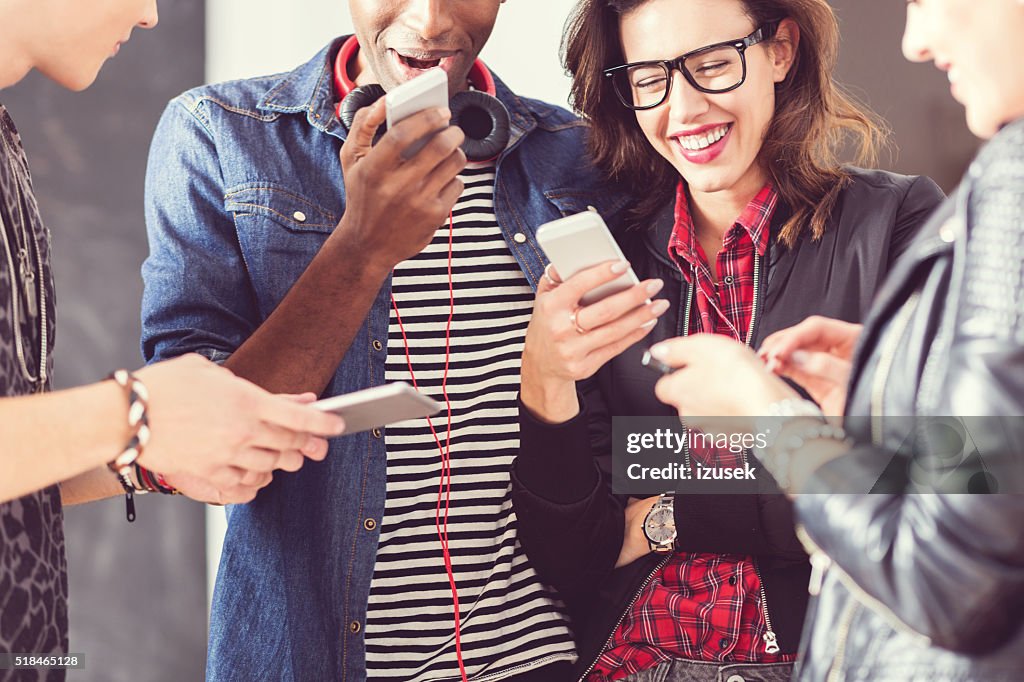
33 571
569 522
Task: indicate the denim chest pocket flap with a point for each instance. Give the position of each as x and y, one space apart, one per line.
570 201
282 205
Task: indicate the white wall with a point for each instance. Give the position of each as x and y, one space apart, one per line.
255 37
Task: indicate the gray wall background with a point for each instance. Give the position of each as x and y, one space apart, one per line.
138 607
138 591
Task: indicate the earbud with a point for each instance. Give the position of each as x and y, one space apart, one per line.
482 117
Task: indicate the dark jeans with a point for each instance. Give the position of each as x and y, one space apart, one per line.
699 671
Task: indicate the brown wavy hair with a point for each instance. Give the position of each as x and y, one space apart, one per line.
814 119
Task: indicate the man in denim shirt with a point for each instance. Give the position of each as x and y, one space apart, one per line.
303 274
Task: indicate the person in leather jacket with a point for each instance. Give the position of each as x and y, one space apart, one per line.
919 547
723 125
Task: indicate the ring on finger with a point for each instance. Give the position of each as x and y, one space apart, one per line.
547 275
576 324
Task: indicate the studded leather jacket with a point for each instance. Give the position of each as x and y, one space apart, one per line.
914 584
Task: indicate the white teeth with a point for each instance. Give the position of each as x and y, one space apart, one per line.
698 142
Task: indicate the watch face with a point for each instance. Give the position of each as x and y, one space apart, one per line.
660 526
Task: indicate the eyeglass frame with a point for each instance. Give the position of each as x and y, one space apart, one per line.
765 31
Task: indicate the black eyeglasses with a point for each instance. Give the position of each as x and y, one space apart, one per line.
712 69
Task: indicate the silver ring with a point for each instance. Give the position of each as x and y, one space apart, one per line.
572 318
547 275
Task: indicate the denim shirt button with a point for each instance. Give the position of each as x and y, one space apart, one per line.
299 216
519 238
377 345
355 627
369 524
376 433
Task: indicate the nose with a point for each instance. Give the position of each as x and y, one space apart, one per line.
430 19
685 102
915 43
151 16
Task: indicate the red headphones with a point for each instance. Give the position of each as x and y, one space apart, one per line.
482 117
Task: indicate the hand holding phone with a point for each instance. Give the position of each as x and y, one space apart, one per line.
581 241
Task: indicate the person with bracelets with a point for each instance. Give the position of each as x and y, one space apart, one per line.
913 512
186 425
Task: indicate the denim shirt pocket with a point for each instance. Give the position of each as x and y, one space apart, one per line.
280 230
570 201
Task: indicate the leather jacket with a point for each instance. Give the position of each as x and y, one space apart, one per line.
917 584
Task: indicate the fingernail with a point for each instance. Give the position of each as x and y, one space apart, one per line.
444 115
620 267
655 286
658 307
338 426
659 351
799 357
648 324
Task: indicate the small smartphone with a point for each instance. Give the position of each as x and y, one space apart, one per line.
379 406
578 242
655 365
423 92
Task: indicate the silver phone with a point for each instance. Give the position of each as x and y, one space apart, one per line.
379 406
580 241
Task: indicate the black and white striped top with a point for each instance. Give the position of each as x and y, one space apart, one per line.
510 621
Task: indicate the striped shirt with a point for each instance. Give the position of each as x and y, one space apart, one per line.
510 622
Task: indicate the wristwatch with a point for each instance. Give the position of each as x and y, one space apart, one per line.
660 524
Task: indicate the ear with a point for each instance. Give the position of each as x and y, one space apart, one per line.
784 49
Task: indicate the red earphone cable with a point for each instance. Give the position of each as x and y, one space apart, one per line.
445 486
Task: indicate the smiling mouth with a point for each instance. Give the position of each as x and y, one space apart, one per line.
696 143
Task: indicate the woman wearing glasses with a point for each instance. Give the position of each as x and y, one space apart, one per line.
918 581
722 119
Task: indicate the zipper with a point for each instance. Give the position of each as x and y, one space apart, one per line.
629 607
835 671
29 279
771 640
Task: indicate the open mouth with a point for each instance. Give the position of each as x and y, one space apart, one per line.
412 61
419 63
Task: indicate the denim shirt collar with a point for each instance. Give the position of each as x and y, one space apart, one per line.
310 89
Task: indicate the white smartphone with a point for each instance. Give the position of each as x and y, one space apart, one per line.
578 242
423 92
379 406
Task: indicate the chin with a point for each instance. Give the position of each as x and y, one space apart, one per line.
981 126
76 80
707 182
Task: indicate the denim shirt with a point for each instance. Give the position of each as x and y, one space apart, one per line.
244 186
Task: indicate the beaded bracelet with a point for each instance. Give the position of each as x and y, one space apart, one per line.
787 415
138 422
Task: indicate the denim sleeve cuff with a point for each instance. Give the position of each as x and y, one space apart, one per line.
555 461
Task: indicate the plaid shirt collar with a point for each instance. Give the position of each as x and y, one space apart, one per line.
755 219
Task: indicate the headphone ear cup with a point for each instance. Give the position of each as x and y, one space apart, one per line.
484 120
359 98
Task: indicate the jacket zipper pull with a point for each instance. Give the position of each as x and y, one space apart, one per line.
129 505
819 566
771 644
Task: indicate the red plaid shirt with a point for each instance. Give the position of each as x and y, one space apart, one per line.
704 607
